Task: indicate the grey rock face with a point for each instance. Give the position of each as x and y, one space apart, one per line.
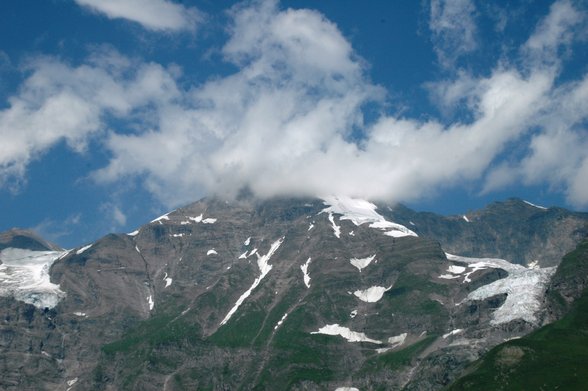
265 295
513 230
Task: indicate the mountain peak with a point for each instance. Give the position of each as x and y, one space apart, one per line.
25 239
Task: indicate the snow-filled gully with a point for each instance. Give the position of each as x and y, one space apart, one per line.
264 269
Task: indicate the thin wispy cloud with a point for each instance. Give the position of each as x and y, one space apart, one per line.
159 15
453 27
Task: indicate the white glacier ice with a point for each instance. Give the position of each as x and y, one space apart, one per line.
524 288
24 275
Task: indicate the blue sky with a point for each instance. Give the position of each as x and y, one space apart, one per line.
113 111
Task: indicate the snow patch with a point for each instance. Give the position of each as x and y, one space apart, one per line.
81 250
264 269
177 235
24 275
304 269
209 221
247 242
336 228
452 332
164 217
80 314
373 294
71 383
351 336
397 340
362 263
281 321
454 269
353 314
360 212
134 233
346 389
137 248
168 281
211 252
150 301
448 276
311 226
466 218
536 206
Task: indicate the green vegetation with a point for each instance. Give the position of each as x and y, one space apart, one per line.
398 358
158 330
241 329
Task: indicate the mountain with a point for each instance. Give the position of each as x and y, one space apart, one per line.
25 239
281 294
551 357
516 230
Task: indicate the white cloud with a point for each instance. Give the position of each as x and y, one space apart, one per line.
58 102
151 14
554 32
453 25
283 123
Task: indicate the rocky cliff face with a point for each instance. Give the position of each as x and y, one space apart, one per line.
515 230
280 294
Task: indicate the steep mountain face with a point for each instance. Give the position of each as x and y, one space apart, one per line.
552 357
281 294
515 230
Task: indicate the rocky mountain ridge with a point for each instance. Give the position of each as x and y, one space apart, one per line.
284 294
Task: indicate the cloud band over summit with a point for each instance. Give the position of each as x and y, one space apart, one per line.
290 119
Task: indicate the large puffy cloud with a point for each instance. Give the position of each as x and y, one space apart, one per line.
290 122
151 14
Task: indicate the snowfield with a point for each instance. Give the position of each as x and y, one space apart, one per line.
360 212
362 263
351 336
371 295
